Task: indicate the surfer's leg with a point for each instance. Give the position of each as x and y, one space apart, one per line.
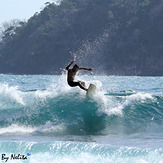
79 83
82 85
73 84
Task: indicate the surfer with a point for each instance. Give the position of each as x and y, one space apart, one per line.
71 76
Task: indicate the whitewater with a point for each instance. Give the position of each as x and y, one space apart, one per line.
44 119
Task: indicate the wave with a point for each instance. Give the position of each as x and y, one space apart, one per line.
65 151
63 110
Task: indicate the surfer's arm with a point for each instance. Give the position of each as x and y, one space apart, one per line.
82 68
67 68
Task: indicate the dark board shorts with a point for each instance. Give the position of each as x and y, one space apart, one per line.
74 84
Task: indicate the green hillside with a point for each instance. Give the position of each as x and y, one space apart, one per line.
122 37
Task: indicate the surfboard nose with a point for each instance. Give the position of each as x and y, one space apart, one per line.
91 89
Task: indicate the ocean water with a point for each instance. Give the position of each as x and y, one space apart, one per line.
45 120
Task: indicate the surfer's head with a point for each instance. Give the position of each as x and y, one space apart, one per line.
75 68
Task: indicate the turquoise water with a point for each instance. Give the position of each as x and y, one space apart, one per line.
42 116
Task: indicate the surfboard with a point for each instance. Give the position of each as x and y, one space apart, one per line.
91 89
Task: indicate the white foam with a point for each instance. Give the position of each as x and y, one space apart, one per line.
57 87
10 95
138 97
44 94
50 127
16 129
85 157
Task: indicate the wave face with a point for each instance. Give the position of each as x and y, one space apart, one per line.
123 108
56 108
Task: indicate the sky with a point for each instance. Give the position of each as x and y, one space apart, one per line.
20 9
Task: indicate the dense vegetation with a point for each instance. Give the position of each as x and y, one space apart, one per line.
122 37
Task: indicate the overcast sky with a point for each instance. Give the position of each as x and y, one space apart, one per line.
20 9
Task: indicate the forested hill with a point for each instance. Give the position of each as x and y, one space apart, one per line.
114 37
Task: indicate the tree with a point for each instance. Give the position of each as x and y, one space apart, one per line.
8 29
